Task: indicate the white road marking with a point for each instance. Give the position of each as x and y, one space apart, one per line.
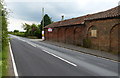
32 44
60 58
70 49
35 45
13 62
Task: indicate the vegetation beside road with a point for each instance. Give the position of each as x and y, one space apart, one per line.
22 34
3 40
5 61
33 31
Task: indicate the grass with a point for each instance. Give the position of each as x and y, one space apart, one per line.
32 37
0 64
22 34
4 65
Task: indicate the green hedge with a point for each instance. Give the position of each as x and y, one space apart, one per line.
3 38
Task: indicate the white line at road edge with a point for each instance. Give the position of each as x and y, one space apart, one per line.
60 58
13 61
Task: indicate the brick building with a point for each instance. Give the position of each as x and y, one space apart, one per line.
97 31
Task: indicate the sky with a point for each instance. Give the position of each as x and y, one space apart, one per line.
30 11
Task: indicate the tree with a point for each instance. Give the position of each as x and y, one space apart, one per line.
32 30
26 27
3 24
47 20
38 33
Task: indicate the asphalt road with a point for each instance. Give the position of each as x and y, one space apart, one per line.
34 58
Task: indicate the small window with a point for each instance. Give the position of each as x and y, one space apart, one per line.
93 33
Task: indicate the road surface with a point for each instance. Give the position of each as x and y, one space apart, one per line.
34 58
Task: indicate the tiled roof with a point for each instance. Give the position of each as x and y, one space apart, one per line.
73 21
55 24
114 12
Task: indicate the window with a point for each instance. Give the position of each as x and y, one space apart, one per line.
93 33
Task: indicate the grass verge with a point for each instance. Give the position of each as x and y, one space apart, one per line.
4 65
0 64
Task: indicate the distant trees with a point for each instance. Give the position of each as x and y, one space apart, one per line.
32 30
16 31
36 30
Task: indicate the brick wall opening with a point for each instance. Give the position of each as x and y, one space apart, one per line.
114 39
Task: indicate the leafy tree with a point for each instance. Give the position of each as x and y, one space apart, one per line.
38 33
27 27
47 21
32 30
3 25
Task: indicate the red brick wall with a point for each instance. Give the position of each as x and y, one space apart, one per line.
107 34
61 34
54 34
102 42
69 35
79 35
114 38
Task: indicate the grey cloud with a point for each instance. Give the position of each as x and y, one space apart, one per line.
32 11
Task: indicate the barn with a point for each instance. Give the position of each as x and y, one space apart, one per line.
97 31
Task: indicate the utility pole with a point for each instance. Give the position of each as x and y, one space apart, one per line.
43 16
43 23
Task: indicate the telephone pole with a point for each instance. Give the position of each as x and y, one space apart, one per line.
42 23
43 16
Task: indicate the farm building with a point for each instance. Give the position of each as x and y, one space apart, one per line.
97 31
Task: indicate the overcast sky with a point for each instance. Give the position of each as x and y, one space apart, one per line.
30 11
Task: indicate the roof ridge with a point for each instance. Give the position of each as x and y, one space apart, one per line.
79 20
